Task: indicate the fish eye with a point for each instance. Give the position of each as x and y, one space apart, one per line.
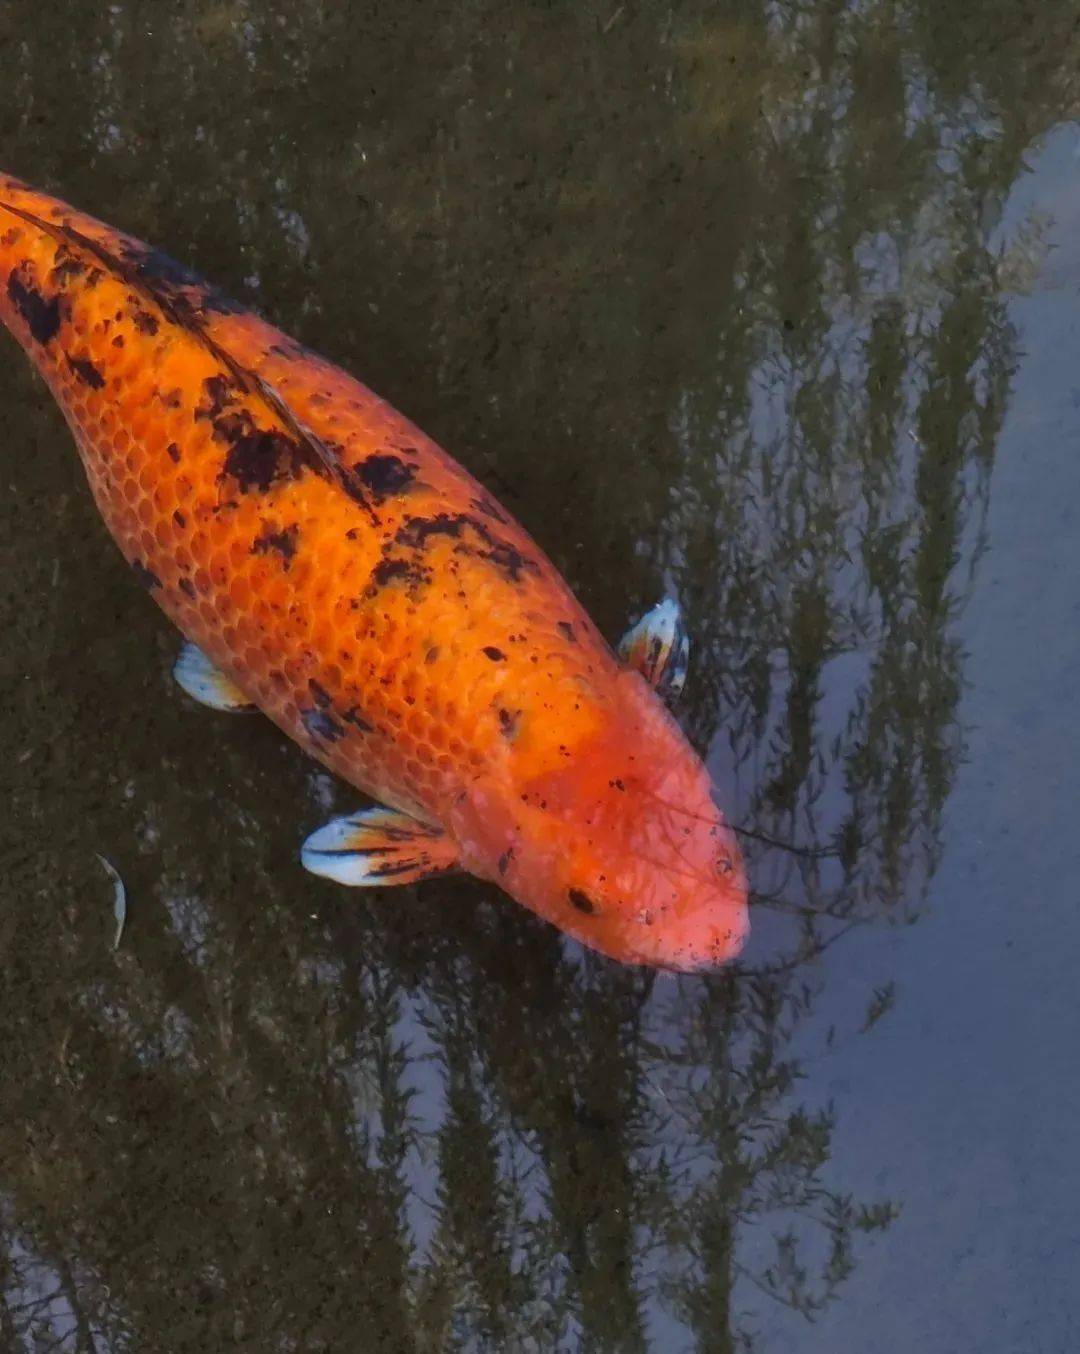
582 902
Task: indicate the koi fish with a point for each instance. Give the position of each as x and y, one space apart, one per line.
330 565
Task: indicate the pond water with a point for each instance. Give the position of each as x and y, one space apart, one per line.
770 306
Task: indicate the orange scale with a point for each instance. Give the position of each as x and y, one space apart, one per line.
202 580
294 671
239 591
276 591
148 541
263 688
163 533
239 553
255 659
139 420
208 612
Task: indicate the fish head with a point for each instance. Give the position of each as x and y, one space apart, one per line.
623 847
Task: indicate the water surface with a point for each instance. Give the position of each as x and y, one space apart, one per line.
771 306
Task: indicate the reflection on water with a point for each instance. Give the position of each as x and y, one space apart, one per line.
713 298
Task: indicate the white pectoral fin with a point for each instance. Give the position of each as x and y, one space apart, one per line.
659 647
208 685
378 847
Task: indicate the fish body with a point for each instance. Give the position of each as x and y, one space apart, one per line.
342 573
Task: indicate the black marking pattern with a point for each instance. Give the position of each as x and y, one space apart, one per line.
146 576
403 555
86 372
258 458
279 542
385 474
413 576
354 717
41 313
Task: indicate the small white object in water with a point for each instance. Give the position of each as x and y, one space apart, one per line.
119 900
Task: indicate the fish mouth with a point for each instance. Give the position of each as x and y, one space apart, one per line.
717 954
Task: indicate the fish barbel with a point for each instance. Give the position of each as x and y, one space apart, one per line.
330 565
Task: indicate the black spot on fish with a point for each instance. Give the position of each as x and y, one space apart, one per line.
504 860
473 537
510 561
118 341
321 725
581 901
496 655
188 587
415 533
508 722
489 508
85 370
282 543
174 453
617 784
385 475
565 628
432 654
66 267
258 457
41 314
392 570
319 694
146 576
145 323
353 716
179 518
217 392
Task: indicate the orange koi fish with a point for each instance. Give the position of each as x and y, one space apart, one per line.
330 565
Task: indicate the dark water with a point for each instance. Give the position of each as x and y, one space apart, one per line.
776 306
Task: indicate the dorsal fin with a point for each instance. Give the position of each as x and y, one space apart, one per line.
180 311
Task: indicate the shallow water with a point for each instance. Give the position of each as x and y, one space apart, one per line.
771 306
